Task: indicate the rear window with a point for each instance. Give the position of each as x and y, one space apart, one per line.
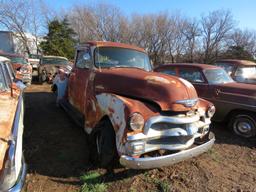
54 61
169 71
192 75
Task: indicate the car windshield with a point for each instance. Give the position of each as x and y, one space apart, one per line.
54 61
106 57
217 76
246 72
19 60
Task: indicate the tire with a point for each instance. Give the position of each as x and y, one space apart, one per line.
103 145
243 124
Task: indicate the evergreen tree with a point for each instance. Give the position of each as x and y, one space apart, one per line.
237 52
60 40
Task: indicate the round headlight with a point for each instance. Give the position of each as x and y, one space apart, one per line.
211 111
136 121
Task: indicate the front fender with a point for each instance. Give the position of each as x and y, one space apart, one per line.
118 109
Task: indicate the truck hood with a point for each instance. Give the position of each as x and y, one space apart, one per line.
161 89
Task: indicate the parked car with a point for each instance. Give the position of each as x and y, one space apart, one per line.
34 61
234 102
48 67
242 71
21 65
147 119
12 165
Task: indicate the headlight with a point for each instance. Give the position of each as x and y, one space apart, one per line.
9 173
136 121
24 70
211 111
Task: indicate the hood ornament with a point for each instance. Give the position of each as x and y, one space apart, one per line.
187 102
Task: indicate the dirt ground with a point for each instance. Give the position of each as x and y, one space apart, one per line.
57 152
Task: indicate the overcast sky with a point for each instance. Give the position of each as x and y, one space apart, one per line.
244 11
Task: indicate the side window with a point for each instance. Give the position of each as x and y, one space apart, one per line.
192 75
169 71
83 59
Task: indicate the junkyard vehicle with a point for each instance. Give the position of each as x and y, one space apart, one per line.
12 166
21 65
234 102
242 71
149 119
48 67
34 61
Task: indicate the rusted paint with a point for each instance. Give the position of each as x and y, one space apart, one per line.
114 44
139 84
237 62
8 107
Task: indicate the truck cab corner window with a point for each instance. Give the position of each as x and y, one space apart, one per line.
83 59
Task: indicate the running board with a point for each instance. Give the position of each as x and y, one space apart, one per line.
77 117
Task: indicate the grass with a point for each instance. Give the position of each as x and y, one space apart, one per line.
161 185
92 182
214 155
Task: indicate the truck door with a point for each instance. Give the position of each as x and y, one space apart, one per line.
79 79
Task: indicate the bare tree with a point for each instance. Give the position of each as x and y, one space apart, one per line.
216 28
245 39
191 32
100 22
175 37
22 17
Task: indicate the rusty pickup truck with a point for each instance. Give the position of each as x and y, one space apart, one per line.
144 118
12 166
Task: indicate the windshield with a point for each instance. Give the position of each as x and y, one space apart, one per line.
120 57
54 61
34 56
19 60
217 76
246 72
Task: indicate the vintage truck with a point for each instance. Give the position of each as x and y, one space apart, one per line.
144 118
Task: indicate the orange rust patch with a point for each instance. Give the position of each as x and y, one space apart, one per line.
8 107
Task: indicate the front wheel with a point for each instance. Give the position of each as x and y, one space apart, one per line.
243 124
104 145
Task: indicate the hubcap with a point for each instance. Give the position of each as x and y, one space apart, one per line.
244 127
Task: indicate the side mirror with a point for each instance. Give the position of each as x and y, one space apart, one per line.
87 57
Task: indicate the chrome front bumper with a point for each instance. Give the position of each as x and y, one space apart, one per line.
21 180
155 162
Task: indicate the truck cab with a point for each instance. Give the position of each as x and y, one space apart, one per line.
144 118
